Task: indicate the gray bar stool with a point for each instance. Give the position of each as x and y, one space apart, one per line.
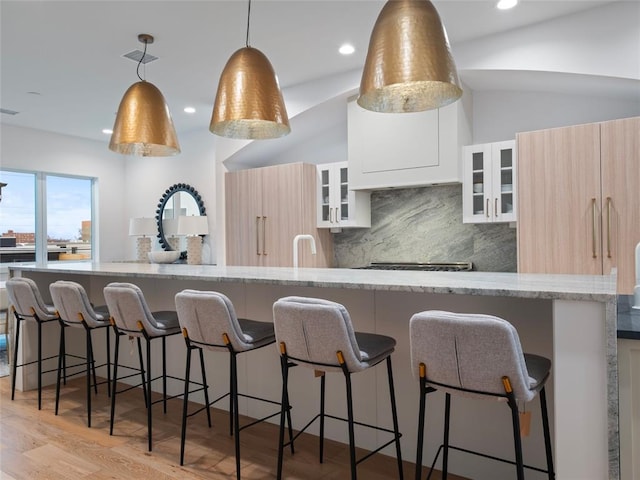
477 356
209 321
131 316
27 305
318 334
75 310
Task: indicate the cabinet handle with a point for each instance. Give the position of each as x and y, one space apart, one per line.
487 210
258 236
593 230
330 215
495 207
264 235
608 227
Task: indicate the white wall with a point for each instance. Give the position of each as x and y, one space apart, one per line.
147 178
127 186
35 150
500 115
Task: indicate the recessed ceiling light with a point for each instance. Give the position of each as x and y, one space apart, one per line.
107 131
189 110
346 49
506 4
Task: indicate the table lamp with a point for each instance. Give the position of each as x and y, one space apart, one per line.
141 227
193 226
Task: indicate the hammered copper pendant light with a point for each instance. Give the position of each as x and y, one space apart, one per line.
143 124
249 103
409 66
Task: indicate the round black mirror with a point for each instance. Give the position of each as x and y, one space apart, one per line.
179 199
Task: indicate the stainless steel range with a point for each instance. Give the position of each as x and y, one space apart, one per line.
423 267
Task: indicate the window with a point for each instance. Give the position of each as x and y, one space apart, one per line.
45 217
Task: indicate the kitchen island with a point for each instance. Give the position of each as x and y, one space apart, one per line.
568 318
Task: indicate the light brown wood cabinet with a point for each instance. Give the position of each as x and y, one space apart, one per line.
265 208
579 200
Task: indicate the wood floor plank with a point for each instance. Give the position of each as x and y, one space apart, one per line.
40 445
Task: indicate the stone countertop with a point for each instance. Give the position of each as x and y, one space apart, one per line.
628 318
599 288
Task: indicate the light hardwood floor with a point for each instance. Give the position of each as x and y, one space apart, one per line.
39 445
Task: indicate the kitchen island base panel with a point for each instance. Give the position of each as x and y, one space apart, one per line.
386 311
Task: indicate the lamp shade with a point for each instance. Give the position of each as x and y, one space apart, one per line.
142 226
193 225
409 66
249 102
143 124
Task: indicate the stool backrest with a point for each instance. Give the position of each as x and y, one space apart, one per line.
469 351
314 329
207 316
24 296
70 300
127 307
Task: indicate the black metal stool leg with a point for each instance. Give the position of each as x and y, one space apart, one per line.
352 439
547 434
187 376
394 415
164 375
420 441
40 361
284 364
93 360
236 416
59 374
115 380
108 334
445 450
322 404
144 382
205 386
90 366
149 401
16 343
517 442
231 406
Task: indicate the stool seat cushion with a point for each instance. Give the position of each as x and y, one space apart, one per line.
102 313
373 347
538 368
166 320
258 333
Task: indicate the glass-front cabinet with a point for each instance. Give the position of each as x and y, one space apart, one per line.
489 188
339 207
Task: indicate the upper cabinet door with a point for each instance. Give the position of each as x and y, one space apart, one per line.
489 187
559 201
620 147
338 205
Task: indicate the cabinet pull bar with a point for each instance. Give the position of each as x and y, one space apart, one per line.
331 215
495 207
258 236
264 235
487 210
608 227
593 230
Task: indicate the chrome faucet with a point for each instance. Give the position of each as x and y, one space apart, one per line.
296 239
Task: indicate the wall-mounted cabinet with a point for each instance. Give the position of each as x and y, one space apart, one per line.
489 185
265 209
578 200
407 149
338 206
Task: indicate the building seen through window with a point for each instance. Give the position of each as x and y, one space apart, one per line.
45 217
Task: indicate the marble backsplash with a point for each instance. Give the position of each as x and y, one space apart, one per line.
425 225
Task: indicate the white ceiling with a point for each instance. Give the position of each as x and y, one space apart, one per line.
70 52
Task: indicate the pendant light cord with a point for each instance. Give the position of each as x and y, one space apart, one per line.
248 19
140 61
